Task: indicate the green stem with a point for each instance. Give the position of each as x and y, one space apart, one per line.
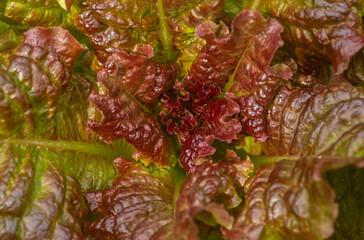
91 148
179 177
166 37
239 4
255 5
230 83
145 109
261 160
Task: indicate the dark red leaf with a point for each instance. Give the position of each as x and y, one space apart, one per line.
213 188
125 118
220 122
139 75
321 31
137 206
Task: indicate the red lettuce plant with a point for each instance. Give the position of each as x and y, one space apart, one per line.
181 120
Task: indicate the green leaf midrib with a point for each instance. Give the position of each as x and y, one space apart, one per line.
165 35
97 149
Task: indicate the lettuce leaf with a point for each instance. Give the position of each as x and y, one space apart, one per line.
321 31
123 115
290 200
114 25
239 61
39 199
323 121
31 13
137 206
140 203
355 71
219 123
9 40
210 194
227 89
46 157
142 77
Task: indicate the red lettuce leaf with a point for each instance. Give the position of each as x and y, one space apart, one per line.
253 82
321 31
183 105
355 71
55 40
140 204
219 123
139 75
39 198
36 72
223 53
193 13
218 59
137 206
208 194
243 57
113 25
325 121
289 200
124 117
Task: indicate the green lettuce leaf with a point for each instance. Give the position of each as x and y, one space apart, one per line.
33 13
234 7
9 40
349 190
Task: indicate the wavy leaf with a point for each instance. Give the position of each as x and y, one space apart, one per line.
134 22
46 157
240 61
324 121
142 77
140 202
320 31
38 197
137 206
219 123
33 13
208 194
290 200
124 116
